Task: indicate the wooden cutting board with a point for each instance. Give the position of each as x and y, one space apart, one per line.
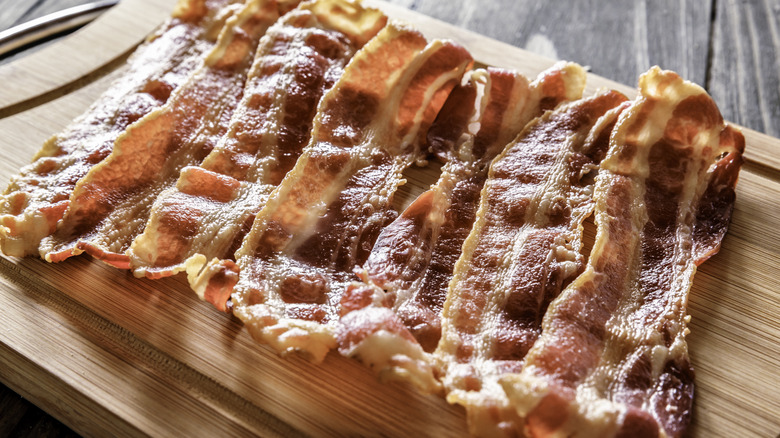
110 354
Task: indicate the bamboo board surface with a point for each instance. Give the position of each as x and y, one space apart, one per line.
109 354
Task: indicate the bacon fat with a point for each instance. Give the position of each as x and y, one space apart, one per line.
257 145
414 257
612 358
211 208
37 198
524 246
325 215
110 205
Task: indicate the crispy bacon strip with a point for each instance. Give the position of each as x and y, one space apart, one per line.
524 246
37 197
612 359
414 257
110 205
211 208
325 215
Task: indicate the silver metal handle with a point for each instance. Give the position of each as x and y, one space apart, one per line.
48 25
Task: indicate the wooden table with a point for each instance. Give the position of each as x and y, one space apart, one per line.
730 47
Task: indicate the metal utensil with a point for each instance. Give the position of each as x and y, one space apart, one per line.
48 25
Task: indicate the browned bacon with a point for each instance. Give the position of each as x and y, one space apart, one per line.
212 206
612 359
524 246
37 198
413 258
110 205
325 215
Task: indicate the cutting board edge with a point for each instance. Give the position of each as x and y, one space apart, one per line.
75 63
550 61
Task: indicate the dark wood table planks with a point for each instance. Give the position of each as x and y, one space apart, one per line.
728 46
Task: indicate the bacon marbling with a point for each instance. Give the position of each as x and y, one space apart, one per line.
212 206
36 199
413 259
612 358
524 246
110 205
325 215
461 293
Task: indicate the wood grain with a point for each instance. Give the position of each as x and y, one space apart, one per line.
58 69
745 76
730 47
109 354
14 12
618 39
762 150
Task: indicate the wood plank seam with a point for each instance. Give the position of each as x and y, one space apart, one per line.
710 45
755 166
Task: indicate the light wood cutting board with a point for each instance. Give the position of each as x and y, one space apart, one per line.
109 354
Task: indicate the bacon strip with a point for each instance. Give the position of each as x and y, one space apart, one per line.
325 215
524 246
211 208
612 359
38 196
110 205
414 257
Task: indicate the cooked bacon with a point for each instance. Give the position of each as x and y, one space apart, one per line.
110 205
524 246
211 208
325 215
37 198
414 257
612 358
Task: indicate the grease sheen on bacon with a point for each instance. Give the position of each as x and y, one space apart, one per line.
110 206
212 206
412 261
612 359
609 358
325 215
37 197
524 247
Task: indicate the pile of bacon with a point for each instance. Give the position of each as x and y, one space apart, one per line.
257 146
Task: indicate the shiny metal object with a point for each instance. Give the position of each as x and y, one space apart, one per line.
48 25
